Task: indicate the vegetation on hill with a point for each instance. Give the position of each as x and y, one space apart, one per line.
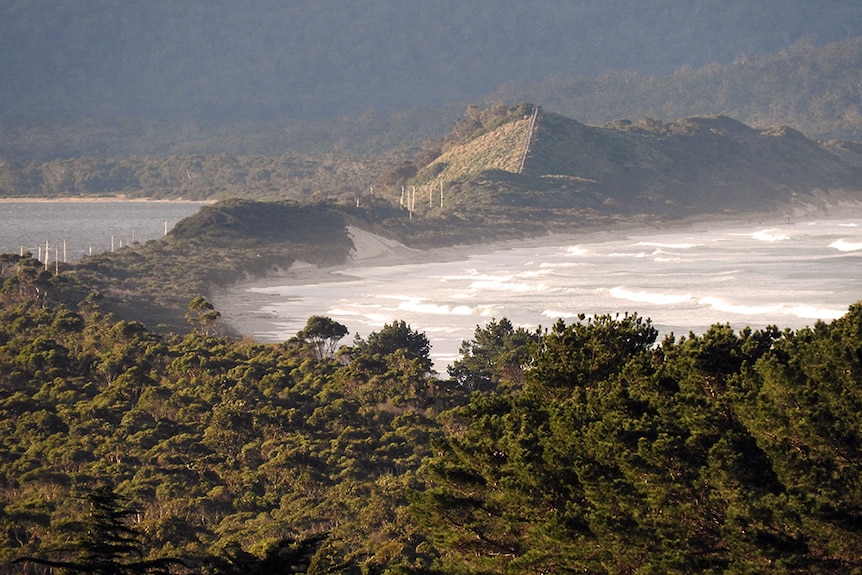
194 177
220 245
701 164
588 447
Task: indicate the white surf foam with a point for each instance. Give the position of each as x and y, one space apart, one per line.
669 246
723 306
506 286
557 314
642 296
770 235
813 312
428 308
845 246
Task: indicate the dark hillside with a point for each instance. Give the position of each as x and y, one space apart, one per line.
231 221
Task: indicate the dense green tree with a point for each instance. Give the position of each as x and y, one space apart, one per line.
393 337
323 333
282 557
582 354
203 316
803 403
622 456
503 489
392 366
496 355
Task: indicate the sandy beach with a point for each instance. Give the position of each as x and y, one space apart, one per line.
241 305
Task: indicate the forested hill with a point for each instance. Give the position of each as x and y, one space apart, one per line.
525 157
590 447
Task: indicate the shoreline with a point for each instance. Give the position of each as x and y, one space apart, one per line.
302 273
242 304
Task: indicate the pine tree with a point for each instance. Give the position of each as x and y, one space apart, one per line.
108 545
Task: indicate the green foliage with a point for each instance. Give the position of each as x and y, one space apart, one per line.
588 447
203 316
324 334
394 337
804 411
497 355
391 368
283 556
237 455
581 355
620 455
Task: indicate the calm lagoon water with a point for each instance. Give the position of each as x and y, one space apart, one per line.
789 275
85 226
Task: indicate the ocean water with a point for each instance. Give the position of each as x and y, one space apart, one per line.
85 226
789 275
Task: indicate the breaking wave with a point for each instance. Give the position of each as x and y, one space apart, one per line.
685 282
650 297
770 235
845 246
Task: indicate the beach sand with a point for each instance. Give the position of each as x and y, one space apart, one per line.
242 304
